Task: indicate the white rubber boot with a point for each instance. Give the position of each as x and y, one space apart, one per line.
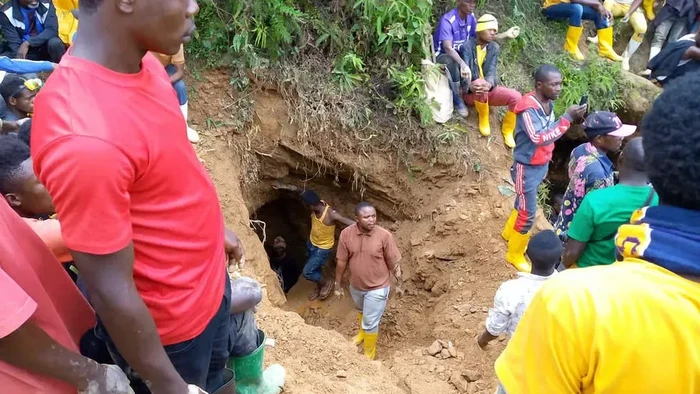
631 49
192 134
653 51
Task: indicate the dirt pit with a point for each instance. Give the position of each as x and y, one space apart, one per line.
447 226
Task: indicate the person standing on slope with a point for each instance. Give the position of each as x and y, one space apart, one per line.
535 132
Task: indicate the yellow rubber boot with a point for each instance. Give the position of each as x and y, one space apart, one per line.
648 6
510 225
483 110
508 128
517 245
360 337
571 44
605 45
371 344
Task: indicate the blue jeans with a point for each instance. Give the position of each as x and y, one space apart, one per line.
315 260
179 86
575 13
200 361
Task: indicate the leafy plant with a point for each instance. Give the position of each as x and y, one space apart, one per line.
411 97
349 71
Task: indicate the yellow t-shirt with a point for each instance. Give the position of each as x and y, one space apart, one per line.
548 3
480 56
165 60
630 327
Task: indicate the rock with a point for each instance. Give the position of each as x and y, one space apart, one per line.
485 309
459 382
440 369
421 362
463 216
451 349
429 254
444 353
416 242
431 368
471 375
341 374
473 309
442 343
435 348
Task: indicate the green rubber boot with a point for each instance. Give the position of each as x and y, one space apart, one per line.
250 378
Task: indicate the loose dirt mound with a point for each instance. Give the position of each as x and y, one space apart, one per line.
447 225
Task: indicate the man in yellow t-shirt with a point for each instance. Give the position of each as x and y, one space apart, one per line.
629 327
175 66
481 55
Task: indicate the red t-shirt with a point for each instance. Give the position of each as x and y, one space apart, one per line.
34 286
112 150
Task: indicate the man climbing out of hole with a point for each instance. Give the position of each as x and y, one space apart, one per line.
632 326
138 210
589 165
591 235
481 55
371 255
575 11
535 133
321 240
283 264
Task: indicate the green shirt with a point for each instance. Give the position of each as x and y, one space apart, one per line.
601 213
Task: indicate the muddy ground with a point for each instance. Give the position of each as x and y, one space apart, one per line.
447 223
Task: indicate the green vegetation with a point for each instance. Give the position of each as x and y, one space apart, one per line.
363 59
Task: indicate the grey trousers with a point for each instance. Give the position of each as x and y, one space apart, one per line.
372 304
669 30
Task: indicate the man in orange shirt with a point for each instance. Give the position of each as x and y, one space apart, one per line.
175 66
372 256
28 197
42 318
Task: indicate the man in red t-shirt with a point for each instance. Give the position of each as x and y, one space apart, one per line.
42 318
138 210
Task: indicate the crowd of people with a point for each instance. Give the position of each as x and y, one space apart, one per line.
467 47
114 251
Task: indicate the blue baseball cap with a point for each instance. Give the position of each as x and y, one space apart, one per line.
606 123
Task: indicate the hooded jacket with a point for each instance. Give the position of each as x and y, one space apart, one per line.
13 26
536 132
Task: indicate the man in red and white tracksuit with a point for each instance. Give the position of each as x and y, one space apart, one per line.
536 131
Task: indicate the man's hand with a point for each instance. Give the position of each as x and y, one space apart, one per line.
604 12
339 292
234 248
513 32
577 112
626 18
22 51
480 86
465 72
107 379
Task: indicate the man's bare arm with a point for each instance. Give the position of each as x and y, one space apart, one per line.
338 218
340 267
450 51
110 284
31 349
572 252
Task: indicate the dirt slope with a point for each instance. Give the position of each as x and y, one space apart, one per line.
448 228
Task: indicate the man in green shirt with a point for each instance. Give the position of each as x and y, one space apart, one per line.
592 231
